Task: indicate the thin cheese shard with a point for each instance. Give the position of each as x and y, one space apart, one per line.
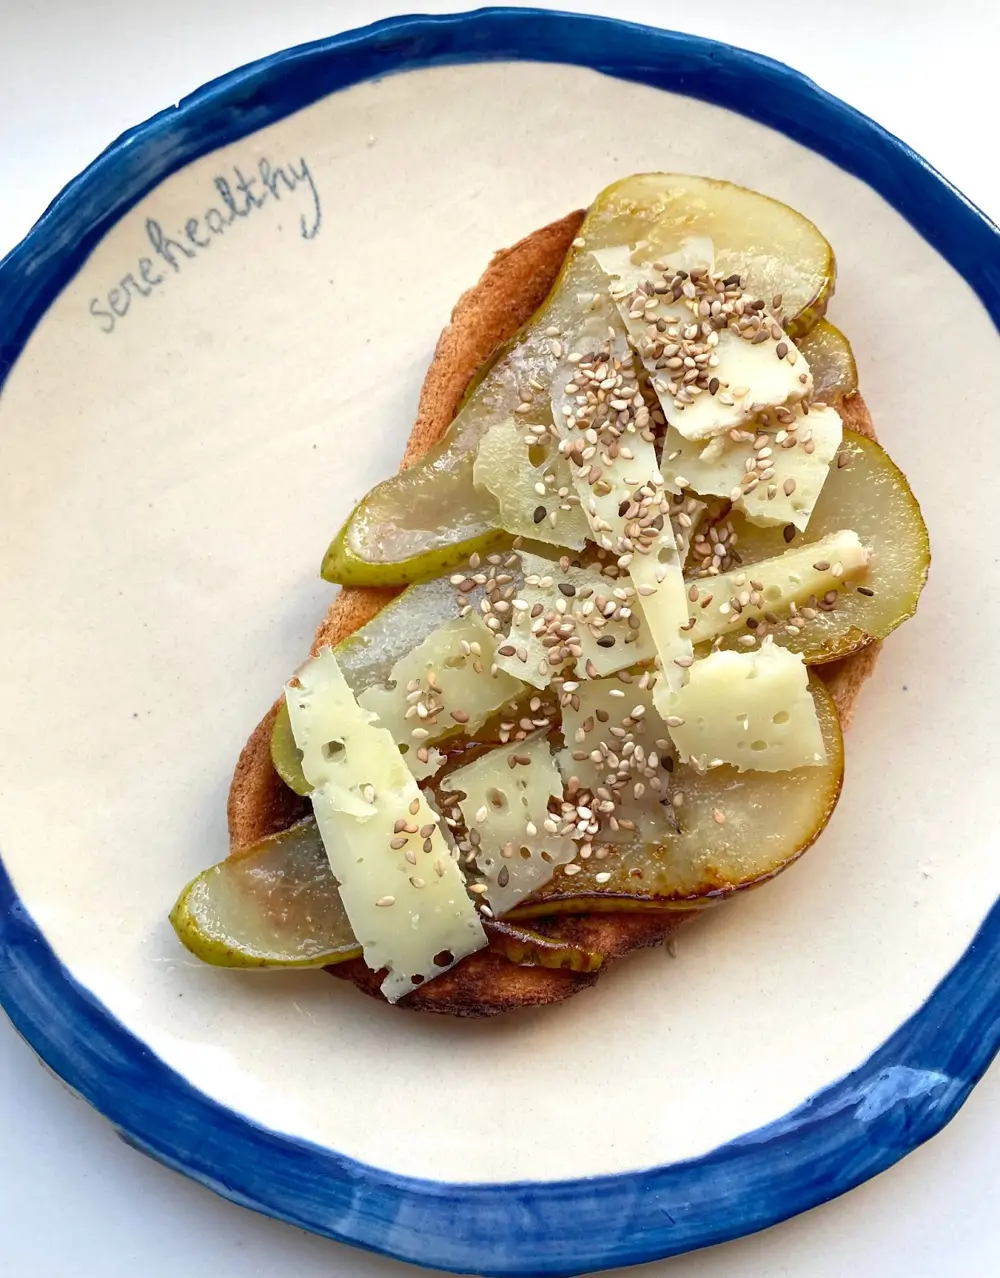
507 808
411 914
733 375
599 411
749 709
616 761
773 585
440 687
594 618
777 483
533 497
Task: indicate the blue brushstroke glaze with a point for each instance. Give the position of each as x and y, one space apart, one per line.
842 1136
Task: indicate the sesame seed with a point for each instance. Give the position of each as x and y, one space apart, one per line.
718 816
864 590
479 888
386 900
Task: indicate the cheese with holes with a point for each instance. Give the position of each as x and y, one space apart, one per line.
753 710
771 585
504 467
412 915
448 674
619 750
507 807
751 376
788 494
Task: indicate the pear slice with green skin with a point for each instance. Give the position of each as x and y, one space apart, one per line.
831 362
430 517
274 905
868 494
769 820
367 656
277 905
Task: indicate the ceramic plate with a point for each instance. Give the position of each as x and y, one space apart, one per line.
212 345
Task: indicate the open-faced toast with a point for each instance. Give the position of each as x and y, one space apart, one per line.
485 983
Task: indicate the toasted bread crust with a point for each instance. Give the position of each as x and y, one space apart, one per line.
485 984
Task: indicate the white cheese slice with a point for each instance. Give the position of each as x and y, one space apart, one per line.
657 572
618 751
440 687
749 709
507 808
771 585
665 607
573 603
628 269
522 488
786 484
407 911
802 469
687 514
751 376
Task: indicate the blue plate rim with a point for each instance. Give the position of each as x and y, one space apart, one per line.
907 1090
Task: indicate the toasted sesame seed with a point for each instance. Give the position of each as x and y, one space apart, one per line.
718 816
864 590
479 888
386 900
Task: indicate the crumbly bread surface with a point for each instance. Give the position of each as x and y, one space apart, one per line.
485 984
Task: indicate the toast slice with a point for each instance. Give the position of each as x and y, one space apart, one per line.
512 288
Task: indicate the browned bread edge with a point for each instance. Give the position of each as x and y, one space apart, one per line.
512 288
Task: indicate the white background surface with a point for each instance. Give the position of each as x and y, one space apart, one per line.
73 1199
